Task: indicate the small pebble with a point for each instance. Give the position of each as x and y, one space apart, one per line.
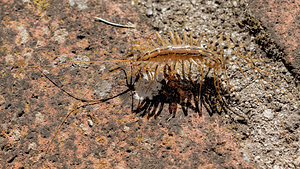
268 114
90 122
149 12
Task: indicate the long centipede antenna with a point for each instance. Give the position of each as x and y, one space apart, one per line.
62 89
77 106
68 63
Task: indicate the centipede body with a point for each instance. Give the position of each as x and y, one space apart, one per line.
191 59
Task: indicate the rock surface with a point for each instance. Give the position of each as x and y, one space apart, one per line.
45 38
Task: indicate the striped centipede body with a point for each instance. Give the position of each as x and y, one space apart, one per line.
185 57
176 54
192 59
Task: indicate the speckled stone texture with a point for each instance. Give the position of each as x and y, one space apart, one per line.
281 17
269 137
105 135
41 37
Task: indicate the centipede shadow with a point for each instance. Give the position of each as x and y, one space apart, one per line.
189 96
174 92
